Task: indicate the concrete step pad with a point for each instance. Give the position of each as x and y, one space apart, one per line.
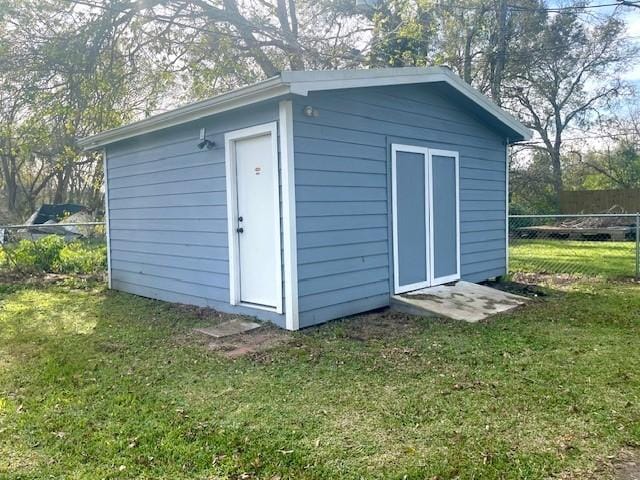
465 301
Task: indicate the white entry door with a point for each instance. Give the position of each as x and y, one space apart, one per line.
254 218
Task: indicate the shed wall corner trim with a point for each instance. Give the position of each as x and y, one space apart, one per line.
105 180
506 207
289 231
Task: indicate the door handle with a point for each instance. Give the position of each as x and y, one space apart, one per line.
240 230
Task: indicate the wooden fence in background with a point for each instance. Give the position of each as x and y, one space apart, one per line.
599 201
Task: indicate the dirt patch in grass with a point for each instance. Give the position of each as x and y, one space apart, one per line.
627 466
561 282
379 325
203 313
517 288
553 279
26 280
624 466
255 343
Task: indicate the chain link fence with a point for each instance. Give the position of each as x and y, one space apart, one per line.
602 245
570 246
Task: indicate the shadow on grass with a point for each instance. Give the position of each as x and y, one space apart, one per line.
96 384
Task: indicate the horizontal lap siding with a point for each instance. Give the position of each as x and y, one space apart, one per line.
168 213
342 178
341 194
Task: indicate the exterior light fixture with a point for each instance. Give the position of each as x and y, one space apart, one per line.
208 144
309 111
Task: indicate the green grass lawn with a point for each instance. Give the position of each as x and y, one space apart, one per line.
97 384
606 259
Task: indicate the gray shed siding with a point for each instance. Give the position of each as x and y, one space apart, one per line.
168 213
343 191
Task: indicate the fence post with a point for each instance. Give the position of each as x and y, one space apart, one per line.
638 246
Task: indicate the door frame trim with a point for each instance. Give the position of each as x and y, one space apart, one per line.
431 280
289 229
230 139
454 276
398 147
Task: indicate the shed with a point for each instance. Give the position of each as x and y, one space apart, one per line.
311 195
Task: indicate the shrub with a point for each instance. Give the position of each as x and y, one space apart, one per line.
81 257
52 254
37 255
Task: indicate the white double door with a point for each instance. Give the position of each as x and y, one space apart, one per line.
426 217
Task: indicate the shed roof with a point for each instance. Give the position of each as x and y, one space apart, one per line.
303 82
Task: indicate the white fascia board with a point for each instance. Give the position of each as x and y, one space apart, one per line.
354 75
266 90
303 84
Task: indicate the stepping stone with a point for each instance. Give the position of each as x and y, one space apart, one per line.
231 327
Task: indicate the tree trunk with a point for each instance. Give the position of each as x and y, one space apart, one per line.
556 170
499 59
10 184
62 185
467 66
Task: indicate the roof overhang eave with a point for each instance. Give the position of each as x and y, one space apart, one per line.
301 83
271 88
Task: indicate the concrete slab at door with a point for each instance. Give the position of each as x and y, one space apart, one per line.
256 219
463 301
409 169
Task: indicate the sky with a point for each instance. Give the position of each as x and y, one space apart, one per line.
632 17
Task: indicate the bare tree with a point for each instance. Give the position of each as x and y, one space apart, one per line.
572 76
66 72
234 42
